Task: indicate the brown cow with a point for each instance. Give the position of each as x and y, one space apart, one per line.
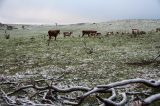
67 34
157 29
109 33
135 32
142 32
117 33
99 34
123 33
53 33
89 33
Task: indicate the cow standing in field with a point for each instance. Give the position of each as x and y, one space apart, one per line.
109 33
98 34
142 32
89 33
53 33
117 33
67 34
157 29
122 33
135 32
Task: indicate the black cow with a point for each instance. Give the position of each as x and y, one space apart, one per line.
157 29
89 33
135 32
67 34
53 33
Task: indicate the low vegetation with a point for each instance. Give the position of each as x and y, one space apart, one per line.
82 61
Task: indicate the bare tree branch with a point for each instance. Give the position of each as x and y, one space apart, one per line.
46 93
149 83
8 100
107 102
151 99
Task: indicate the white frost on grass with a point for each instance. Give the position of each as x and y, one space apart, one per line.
148 73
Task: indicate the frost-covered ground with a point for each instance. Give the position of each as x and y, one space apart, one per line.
84 59
81 61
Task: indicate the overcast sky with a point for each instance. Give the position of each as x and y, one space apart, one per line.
76 11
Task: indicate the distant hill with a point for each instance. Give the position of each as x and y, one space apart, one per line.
117 25
103 27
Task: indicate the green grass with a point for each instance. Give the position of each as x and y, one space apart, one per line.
83 61
90 60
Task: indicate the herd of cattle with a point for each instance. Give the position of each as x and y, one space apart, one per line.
94 33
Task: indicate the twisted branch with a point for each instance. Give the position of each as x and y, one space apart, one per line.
50 93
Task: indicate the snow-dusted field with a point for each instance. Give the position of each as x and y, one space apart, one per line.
82 61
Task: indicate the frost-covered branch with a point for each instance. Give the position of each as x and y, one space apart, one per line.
149 83
151 99
37 93
108 102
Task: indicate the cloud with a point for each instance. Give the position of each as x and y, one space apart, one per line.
1 2
76 11
40 16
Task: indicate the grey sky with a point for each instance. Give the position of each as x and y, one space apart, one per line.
76 11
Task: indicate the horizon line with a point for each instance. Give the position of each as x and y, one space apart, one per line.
73 23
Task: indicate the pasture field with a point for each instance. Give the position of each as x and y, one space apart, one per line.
82 61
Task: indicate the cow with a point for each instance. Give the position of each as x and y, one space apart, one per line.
53 33
117 33
98 34
142 32
123 33
89 33
151 32
157 29
67 34
135 32
109 33
9 27
127 33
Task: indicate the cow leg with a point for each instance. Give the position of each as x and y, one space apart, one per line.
82 34
49 37
132 36
48 42
94 35
135 35
89 35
